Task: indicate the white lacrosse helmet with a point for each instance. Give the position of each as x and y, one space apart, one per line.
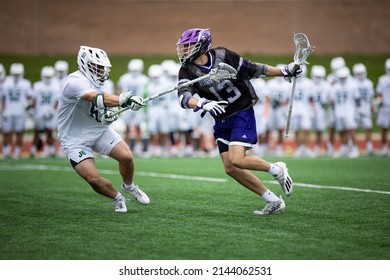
47 73
2 72
17 69
318 71
136 65
336 63
359 71
343 73
155 71
61 67
94 64
387 65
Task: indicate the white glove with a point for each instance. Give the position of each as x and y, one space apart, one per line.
291 70
127 99
215 108
108 117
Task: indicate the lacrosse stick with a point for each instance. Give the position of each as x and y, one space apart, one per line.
221 72
303 49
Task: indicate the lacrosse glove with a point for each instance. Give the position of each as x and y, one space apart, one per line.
108 117
215 108
127 99
291 70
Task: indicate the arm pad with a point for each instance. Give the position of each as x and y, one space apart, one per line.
98 100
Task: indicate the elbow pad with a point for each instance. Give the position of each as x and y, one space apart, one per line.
98 100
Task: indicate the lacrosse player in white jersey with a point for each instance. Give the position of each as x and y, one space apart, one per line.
134 80
321 90
303 114
16 98
335 64
262 112
279 92
366 92
45 101
157 112
2 79
383 94
344 99
84 113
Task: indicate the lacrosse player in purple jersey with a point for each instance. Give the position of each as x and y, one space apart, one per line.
230 102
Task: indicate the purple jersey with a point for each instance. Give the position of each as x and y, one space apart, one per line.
238 92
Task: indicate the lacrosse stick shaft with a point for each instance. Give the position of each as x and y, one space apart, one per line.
290 108
157 95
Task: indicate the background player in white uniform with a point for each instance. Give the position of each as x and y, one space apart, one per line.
321 89
45 101
335 64
2 79
84 114
344 98
157 112
15 99
279 92
134 80
262 112
302 114
366 92
383 120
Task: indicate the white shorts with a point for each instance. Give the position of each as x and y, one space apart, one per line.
345 123
158 120
78 150
14 124
300 122
365 121
383 119
42 123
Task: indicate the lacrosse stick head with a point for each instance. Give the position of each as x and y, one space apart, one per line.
223 72
303 48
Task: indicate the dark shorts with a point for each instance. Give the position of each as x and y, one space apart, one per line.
238 130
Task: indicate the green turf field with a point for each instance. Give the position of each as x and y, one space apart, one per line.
339 210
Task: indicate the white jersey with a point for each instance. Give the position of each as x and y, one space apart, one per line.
279 94
262 107
16 94
134 83
78 119
46 97
321 96
366 93
344 96
383 89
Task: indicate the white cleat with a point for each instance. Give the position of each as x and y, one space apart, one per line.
272 207
120 205
284 179
139 195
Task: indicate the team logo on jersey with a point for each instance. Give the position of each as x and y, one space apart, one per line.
244 136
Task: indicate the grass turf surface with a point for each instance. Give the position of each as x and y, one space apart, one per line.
48 212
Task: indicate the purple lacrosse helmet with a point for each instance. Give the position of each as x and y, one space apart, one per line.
192 44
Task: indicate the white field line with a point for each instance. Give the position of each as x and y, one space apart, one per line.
35 167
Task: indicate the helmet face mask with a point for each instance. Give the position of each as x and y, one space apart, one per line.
94 64
192 44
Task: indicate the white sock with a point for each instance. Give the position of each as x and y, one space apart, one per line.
269 196
129 187
274 169
118 196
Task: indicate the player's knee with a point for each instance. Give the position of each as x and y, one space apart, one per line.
237 161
